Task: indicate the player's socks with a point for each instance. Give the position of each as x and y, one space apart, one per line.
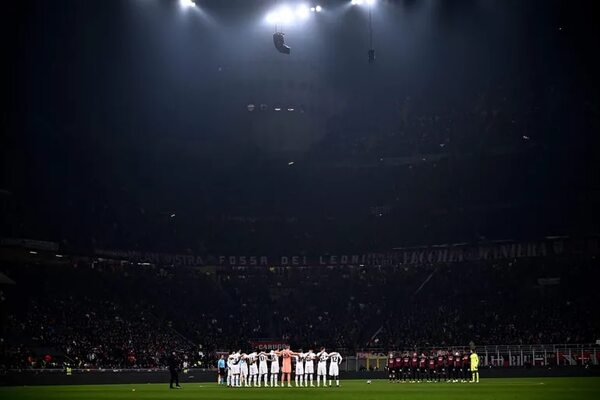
329 382
296 380
301 380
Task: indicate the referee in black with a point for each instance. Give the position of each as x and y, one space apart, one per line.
174 370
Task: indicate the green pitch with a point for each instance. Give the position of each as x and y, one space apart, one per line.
497 389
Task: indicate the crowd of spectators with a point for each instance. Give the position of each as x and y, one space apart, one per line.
109 315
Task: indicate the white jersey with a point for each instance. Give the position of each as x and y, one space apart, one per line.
243 367
252 357
300 363
262 363
235 364
335 359
274 362
230 364
322 364
309 366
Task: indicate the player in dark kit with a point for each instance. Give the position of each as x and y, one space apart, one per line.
422 367
174 371
450 366
398 366
441 366
406 367
391 367
465 367
431 368
457 366
414 367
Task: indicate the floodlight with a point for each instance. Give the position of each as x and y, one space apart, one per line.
187 3
302 11
318 8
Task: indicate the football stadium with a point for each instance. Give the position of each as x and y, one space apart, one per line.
270 199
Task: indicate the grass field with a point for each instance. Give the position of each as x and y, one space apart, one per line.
497 389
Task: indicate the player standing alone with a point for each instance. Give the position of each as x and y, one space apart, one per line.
474 367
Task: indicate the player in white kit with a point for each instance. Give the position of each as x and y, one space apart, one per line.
263 370
309 367
299 378
230 369
322 358
235 369
335 359
252 358
244 370
274 358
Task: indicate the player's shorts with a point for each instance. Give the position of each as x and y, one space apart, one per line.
309 367
253 369
235 369
322 368
262 369
244 370
473 369
274 368
334 369
441 370
221 371
299 368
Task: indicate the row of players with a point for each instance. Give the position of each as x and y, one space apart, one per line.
251 369
435 367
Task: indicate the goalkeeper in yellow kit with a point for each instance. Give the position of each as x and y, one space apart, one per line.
474 366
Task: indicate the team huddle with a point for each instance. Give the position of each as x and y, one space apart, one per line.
437 366
255 369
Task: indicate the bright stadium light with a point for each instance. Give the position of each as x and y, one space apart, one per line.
362 2
302 11
187 3
286 15
272 17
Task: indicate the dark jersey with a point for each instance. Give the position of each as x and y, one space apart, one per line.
414 362
422 362
440 361
465 360
406 362
458 362
450 360
390 363
431 363
398 362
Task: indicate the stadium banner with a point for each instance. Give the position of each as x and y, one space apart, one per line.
445 253
268 344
